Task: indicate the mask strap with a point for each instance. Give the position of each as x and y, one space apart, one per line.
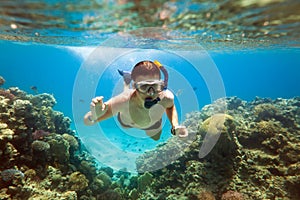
165 73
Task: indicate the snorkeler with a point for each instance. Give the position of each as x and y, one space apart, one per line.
141 106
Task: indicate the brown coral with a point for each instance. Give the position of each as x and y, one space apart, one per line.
232 195
205 195
265 111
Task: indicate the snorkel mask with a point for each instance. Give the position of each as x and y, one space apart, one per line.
153 87
149 87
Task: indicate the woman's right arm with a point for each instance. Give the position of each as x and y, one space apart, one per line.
101 111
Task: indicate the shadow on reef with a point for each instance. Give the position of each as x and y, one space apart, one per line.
256 156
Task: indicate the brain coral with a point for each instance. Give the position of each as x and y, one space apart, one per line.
40 146
78 181
59 149
71 140
216 123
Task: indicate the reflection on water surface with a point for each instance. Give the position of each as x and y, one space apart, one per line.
213 23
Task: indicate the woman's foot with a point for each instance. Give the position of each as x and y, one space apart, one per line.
126 76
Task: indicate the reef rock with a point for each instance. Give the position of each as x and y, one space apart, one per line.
255 157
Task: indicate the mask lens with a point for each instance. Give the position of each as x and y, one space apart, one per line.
144 86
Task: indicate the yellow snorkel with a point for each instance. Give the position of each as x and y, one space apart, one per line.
164 71
158 64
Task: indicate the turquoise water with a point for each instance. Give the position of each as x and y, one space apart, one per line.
270 73
211 50
267 73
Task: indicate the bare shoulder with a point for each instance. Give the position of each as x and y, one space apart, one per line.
118 102
122 97
167 98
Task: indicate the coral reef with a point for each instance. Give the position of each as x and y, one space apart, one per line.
39 134
41 156
9 174
232 195
144 181
78 181
205 195
256 156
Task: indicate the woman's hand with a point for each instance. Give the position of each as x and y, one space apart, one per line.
181 131
98 108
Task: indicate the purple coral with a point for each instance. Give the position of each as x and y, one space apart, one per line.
9 174
7 94
39 134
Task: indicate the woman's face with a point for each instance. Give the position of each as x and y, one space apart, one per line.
150 90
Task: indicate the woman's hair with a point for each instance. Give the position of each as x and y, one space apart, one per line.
145 68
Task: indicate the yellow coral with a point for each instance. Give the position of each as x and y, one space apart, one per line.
215 123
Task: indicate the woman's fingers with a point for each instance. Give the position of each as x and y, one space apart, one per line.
96 100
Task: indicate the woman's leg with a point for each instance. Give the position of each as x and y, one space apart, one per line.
126 77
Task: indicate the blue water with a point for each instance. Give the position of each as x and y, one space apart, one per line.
272 73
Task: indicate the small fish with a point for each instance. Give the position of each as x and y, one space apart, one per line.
195 88
34 88
81 100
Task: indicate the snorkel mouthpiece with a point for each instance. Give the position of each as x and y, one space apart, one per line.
149 102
